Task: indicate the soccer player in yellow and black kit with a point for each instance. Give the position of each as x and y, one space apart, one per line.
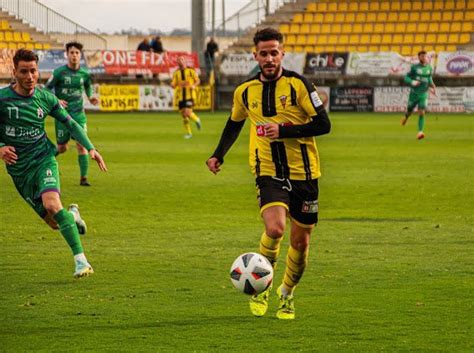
185 80
285 114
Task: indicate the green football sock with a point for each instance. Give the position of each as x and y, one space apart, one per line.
68 229
83 164
421 122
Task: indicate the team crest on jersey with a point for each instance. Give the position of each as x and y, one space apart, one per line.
49 172
419 71
283 101
40 113
67 80
81 81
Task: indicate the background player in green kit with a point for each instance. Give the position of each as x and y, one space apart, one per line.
420 80
30 155
69 83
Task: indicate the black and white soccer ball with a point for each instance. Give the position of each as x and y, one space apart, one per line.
251 273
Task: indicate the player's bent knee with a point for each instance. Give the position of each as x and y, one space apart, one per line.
62 148
275 230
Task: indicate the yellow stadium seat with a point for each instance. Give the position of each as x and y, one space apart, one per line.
422 27
439 48
403 17
308 17
346 28
385 6
414 16
336 28
318 18
469 16
374 48
26 36
395 5
364 6
332 7
434 27
332 39
438 5
321 7
382 17
460 5
308 48
285 28
364 39
449 5
288 48
376 39
456 27
392 17
291 39
374 6
357 28
436 16
350 17
395 48
305 28
330 48
298 18
17 37
400 27
339 17
354 39
405 50
311 7
4 25
470 5
419 38
326 28
362 48
442 38
371 17
294 28
379 28
411 27
416 49
21 45
298 49
3 45
467 27
451 48
429 47
319 49
458 16
427 5
397 39
408 39
12 45
425 16
431 38
464 38
406 6
315 28
342 7
2 37
329 18
384 48
322 39
368 27
30 46
453 38
386 39
444 27
340 48
361 17
416 6
300 39
447 16
344 39
353 6
311 39
8 36
389 27
351 48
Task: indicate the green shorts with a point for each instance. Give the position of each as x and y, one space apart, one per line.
44 177
417 99
62 133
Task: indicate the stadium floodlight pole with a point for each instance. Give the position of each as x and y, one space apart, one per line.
223 18
213 18
198 28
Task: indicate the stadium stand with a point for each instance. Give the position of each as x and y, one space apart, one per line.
14 34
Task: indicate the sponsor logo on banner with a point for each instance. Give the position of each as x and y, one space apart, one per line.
119 97
202 99
459 63
352 99
325 63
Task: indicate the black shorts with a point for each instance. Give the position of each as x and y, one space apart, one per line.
299 197
188 103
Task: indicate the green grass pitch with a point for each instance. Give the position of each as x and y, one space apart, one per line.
390 266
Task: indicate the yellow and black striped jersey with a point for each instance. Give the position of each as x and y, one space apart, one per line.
289 100
188 75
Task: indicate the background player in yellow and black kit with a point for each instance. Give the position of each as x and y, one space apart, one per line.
185 80
285 114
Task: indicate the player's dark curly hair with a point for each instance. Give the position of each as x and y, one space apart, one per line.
75 45
421 52
266 34
24 55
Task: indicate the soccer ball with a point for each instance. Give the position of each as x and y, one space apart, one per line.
251 273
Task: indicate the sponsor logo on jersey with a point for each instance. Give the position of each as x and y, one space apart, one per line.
419 71
10 131
310 206
254 105
40 113
315 99
67 80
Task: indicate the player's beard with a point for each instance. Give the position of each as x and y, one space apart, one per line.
271 76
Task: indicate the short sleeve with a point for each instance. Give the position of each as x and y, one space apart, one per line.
239 111
308 98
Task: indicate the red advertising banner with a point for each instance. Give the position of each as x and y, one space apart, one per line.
123 62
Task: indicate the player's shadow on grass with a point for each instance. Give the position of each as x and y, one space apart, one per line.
371 219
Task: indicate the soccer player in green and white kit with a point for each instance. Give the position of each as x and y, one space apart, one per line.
30 155
420 80
69 83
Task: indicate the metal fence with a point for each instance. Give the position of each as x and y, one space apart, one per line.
52 23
